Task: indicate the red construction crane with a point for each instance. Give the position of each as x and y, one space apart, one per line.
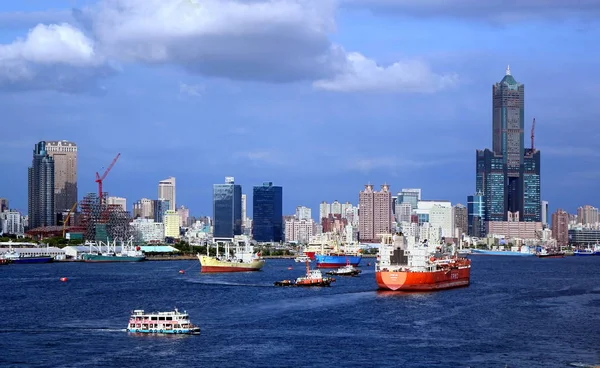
532 134
99 179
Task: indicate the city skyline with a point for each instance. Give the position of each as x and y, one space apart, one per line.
293 122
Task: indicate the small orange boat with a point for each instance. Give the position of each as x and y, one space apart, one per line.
418 267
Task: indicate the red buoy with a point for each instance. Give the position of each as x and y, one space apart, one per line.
181 271
63 279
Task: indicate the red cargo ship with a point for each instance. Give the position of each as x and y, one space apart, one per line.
418 267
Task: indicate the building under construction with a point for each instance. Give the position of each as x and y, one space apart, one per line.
101 221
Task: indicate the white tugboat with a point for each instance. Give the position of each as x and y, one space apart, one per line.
172 322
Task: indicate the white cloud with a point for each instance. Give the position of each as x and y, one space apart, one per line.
275 41
496 10
363 74
193 90
50 57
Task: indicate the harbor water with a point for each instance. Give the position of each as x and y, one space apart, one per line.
517 312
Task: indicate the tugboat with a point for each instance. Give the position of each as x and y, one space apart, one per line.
312 278
172 322
347 270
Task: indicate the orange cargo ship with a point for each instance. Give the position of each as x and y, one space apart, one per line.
418 267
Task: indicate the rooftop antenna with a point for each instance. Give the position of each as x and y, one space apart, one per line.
508 70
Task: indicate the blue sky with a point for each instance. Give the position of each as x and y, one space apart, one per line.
318 96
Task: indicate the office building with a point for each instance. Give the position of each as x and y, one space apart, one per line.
227 209
509 174
166 190
267 213
375 213
64 154
560 227
41 188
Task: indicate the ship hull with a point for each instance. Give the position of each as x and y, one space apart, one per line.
334 261
423 281
584 254
555 255
482 252
93 258
183 331
28 260
212 265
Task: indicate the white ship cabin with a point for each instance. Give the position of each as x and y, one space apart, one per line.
166 321
396 253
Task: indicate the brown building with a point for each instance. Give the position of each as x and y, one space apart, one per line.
64 154
460 219
587 215
560 227
375 213
334 223
3 204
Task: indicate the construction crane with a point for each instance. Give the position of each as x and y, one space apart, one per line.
100 179
532 135
66 221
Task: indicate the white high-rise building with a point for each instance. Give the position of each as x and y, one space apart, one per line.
324 210
545 209
143 208
336 208
299 231
117 200
303 213
166 190
244 208
11 222
148 231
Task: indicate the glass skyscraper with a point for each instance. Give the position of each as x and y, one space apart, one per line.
267 209
475 215
227 209
41 188
508 176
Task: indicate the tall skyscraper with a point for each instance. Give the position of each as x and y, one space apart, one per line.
545 213
160 207
227 209
375 213
244 208
267 213
166 190
476 215
64 154
41 188
509 174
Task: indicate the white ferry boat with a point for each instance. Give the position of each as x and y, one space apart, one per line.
173 322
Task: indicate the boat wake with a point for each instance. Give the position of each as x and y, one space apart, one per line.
226 283
65 329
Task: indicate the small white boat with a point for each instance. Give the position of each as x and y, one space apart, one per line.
347 270
302 258
172 322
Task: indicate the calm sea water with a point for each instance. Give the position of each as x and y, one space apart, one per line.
518 312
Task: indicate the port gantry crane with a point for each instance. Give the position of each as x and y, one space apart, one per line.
100 179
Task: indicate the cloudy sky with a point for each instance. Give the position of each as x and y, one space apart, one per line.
318 96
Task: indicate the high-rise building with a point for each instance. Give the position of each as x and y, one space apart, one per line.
476 215
244 208
461 219
545 213
172 222
144 208
166 190
118 201
184 213
267 213
64 154
303 213
3 205
375 213
324 210
227 209
509 174
587 215
560 227
41 188
160 207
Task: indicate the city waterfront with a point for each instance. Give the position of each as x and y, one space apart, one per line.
517 312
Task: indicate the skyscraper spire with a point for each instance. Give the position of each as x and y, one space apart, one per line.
508 70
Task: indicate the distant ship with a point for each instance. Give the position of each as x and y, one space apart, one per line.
243 259
547 253
328 252
12 256
107 252
522 251
418 267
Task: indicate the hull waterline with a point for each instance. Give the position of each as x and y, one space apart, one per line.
29 260
330 261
